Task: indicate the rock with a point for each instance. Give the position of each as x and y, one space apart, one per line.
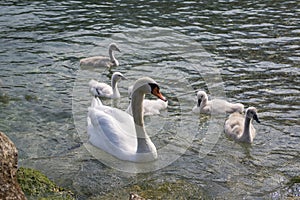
133 196
37 185
9 187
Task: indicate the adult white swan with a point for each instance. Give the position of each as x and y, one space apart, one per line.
120 134
150 106
104 90
102 61
215 105
240 127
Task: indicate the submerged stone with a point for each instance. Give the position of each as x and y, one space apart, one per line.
179 190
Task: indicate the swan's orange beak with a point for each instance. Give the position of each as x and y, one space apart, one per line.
157 93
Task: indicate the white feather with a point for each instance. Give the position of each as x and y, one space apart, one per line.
215 105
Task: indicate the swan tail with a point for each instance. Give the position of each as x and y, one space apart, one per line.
96 102
239 107
234 107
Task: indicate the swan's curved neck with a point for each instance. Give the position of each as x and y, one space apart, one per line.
138 117
111 55
203 102
114 85
137 107
246 133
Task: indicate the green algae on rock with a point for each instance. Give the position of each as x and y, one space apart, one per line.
36 184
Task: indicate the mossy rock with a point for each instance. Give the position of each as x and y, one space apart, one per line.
36 185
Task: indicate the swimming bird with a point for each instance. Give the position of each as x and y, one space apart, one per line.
101 61
104 90
120 134
150 106
240 127
215 105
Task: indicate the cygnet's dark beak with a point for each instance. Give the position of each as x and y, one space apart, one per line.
255 117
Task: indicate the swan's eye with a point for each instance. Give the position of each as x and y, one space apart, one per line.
153 86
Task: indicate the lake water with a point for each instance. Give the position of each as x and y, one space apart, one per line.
245 52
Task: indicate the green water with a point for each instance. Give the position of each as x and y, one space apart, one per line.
247 52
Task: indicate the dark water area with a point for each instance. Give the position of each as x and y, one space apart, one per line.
244 51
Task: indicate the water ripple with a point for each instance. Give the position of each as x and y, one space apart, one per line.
255 45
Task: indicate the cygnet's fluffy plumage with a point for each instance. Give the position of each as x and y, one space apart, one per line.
150 106
239 127
102 61
215 106
104 90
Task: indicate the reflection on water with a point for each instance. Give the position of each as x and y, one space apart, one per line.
251 49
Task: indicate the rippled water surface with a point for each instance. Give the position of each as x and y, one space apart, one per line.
247 52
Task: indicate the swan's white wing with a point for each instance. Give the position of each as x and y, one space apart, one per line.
96 61
223 106
150 107
122 118
111 130
153 107
156 104
234 125
218 105
236 107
